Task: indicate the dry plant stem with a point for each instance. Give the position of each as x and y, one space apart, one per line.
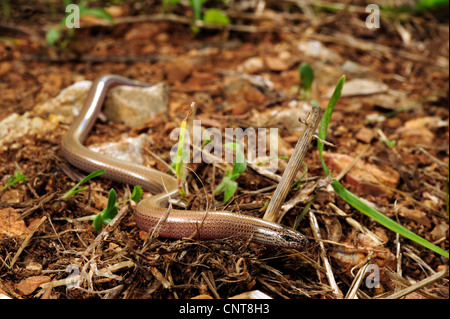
404 283
74 279
273 210
102 236
419 285
26 241
352 293
356 225
353 163
409 253
326 262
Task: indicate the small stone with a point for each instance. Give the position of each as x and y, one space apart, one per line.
440 231
134 106
34 267
365 135
130 150
15 126
252 65
240 107
363 176
178 69
275 64
419 217
10 224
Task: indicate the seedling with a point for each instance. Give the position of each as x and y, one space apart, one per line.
108 213
384 139
228 185
211 16
306 79
74 190
352 199
180 169
13 180
54 34
298 182
112 208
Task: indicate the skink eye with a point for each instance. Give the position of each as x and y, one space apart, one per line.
288 238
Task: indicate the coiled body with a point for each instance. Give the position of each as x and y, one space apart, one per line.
152 211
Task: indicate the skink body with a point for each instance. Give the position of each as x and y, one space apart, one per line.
151 211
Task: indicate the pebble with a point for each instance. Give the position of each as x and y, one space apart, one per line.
252 65
362 173
365 135
134 106
178 69
10 224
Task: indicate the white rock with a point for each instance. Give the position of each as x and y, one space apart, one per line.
130 150
134 106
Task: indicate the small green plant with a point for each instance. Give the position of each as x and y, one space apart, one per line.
112 208
108 213
228 184
74 190
211 16
306 79
388 142
55 34
180 169
352 199
215 16
14 180
298 182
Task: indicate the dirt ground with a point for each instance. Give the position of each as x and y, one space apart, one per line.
405 62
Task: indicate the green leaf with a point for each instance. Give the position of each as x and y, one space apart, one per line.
352 199
215 16
230 189
108 213
137 193
170 2
358 204
13 180
52 35
240 164
326 119
74 190
221 186
197 7
306 76
19 177
111 199
98 222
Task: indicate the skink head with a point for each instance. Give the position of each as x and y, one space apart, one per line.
289 238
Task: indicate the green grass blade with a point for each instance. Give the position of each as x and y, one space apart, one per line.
74 190
326 119
358 204
352 199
